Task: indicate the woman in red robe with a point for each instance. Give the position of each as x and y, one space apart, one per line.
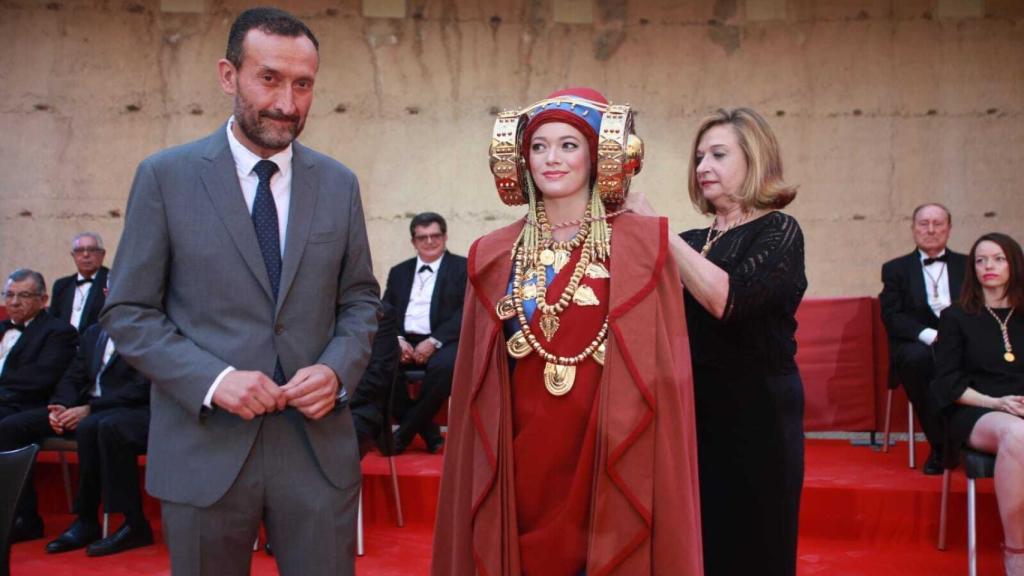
571 442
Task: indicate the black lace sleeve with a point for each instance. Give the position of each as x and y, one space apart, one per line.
770 274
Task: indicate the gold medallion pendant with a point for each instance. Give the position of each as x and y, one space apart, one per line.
1009 357
561 259
547 257
559 379
585 296
517 346
597 270
506 308
549 325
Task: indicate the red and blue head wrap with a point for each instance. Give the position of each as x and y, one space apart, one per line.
580 108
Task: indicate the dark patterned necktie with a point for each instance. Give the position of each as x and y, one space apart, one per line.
264 218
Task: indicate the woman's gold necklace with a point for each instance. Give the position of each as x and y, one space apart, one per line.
712 237
559 371
1003 324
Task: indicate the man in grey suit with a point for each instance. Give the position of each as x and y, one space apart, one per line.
243 289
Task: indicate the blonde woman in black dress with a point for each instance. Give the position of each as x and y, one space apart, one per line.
744 278
979 371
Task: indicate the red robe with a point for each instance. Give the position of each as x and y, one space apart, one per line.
645 516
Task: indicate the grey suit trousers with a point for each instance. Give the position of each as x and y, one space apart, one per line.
310 523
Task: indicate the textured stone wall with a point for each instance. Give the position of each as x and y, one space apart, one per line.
879 105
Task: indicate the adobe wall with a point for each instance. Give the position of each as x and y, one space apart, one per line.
879 105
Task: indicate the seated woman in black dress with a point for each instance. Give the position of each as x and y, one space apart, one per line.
980 378
744 278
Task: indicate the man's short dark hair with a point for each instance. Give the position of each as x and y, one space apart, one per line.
426 219
268 20
24 274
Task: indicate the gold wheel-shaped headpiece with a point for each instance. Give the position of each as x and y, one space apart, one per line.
620 152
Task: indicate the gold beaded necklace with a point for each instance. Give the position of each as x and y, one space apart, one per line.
559 371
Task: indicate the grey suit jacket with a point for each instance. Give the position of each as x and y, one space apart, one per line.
190 296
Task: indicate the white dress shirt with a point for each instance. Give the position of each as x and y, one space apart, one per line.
97 391
81 296
936 286
417 314
280 189
10 338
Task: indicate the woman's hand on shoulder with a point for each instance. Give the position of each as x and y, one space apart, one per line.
637 203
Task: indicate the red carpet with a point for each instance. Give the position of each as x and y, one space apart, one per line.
864 513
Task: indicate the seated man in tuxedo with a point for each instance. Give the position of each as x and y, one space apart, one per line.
35 349
368 404
427 292
916 288
103 403
79 298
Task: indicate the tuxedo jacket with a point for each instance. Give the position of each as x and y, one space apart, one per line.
904 299
64 298
120 384
445 303
37 361
190 296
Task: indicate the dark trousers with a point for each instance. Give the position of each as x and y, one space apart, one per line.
108 443
915 367
20 427
418 415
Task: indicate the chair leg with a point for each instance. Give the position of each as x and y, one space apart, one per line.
888 419
66 473
359 526
106 524
944 509
394 489
972 543
910 433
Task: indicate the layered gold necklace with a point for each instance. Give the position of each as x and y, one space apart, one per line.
559 371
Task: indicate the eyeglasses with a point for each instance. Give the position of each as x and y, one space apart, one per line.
87 250
425 237
20 295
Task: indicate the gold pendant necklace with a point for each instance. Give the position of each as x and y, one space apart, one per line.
712 238
1008 355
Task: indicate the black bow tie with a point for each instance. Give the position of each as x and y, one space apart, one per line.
425 268
81 281
943 258
18 327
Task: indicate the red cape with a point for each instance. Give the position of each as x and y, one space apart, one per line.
646 511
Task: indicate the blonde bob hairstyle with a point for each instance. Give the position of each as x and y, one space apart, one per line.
763 188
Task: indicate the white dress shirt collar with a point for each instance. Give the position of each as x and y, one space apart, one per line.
246 159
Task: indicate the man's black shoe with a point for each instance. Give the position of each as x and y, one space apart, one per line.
79 535
397 445
126 538
435 445
933 465
432 438
26 528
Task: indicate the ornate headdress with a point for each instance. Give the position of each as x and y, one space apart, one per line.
616 151
616 155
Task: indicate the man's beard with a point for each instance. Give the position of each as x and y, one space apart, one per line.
262 130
